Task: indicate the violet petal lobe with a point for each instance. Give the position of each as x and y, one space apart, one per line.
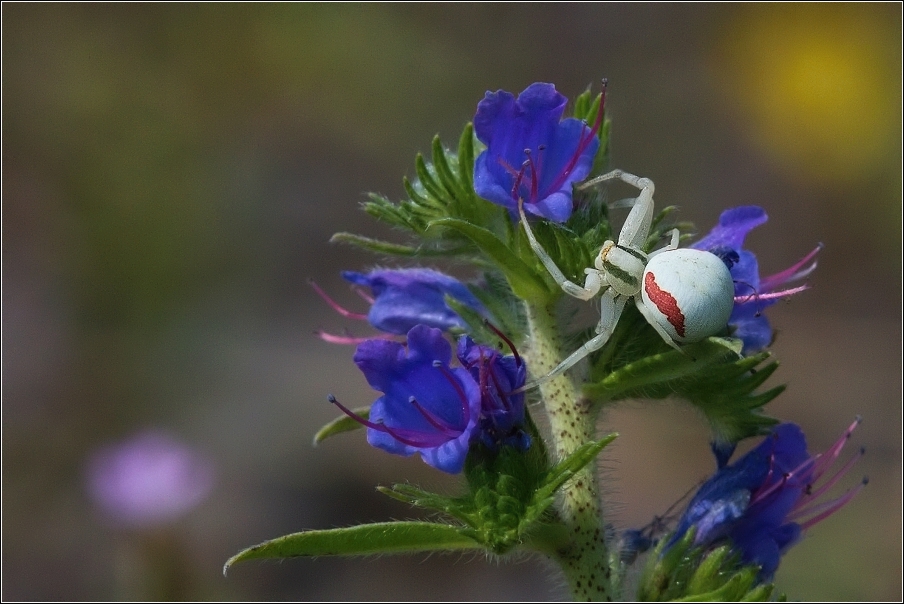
427 407
404 298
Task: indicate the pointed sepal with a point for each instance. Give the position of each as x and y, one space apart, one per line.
343 423
362 540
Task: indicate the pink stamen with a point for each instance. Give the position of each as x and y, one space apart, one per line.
415 439
355 416
831 507
397 434
779 484
503 337
503 396
809 497
367 297
772 295
334 339
335 305
434 420
825 460
792 273
516 188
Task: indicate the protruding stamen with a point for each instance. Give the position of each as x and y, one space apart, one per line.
754 295
810 496
503 396
406 437
772 295
829 508
335 305
796 271
334 339
355 416
828 458
367 297
505 339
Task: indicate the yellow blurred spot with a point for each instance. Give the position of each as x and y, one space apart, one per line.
820 85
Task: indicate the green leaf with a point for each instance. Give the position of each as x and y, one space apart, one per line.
396 249
427 179
659 368
342 424
448 180
573 464
466 159
709 374
525 282
366 539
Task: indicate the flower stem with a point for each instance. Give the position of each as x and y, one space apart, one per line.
572 420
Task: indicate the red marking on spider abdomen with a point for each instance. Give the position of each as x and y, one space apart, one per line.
665 302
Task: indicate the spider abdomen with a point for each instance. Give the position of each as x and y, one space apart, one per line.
689 292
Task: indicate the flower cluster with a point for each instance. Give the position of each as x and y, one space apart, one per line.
752 293
431 408
763 502
463 409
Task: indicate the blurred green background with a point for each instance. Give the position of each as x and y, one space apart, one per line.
171 176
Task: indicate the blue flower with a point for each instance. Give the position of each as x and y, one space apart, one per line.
763 502
403 298
752 293
501 413
532 153
431 408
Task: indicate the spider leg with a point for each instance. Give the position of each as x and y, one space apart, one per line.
593 282
611 307
673 245
637 225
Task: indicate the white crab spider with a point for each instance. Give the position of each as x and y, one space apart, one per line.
685 294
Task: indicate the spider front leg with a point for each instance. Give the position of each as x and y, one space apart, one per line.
611 307
594 281
637 225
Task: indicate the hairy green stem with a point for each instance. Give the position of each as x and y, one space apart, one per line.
571 418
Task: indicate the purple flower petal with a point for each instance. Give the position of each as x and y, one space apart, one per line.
404 298
444 397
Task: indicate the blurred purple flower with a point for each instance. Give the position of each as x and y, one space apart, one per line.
148 480
403 298
433 409
763 502
532 153
752 293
